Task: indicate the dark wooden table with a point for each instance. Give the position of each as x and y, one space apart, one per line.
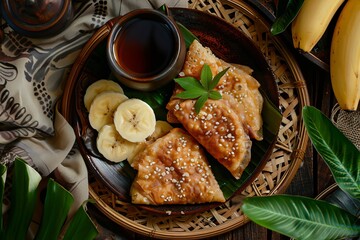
312 177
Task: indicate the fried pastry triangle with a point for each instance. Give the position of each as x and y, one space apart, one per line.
218 127
237 82
224 127
174 170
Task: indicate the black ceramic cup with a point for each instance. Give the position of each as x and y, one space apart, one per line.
145 49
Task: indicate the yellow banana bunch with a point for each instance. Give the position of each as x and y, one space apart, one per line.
311 22
345 56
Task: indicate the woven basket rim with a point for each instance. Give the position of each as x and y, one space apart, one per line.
296 156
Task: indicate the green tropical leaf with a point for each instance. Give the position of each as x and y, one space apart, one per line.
270 111
285 16
57 205
189 83
339 153
205 76
81 226
301 217
202 89
217 78
58 200
190 94
23 200
200 102
3 171
214 95
189 37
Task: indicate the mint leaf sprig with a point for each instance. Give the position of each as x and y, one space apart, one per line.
201 90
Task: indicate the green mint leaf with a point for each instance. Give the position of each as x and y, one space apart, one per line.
200 102
205 76
195 93
189 83
217 78
203 89
214 95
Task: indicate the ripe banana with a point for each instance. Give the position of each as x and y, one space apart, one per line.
98 87
140 146
103 107
311 22
135 120
161 129
345 56
111 145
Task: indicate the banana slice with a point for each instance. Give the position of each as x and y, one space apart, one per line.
98 87
136 150
103 107
135 120
111 145
161 129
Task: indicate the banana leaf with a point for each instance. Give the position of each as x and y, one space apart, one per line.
3 171
301 217
285 15
56 207
23 200
189 37
58 200
339 153
81 226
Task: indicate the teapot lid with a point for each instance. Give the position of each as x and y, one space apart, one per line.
37 18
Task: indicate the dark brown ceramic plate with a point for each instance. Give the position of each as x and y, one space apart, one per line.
227 43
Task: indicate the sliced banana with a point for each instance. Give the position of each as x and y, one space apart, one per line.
140 146
98 87
103 107
135 120
111 145
161 129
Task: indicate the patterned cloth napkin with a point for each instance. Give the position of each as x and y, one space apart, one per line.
348 122
33 73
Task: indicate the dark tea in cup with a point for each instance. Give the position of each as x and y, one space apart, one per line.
145 49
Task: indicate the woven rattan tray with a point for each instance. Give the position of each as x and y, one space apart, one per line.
277 173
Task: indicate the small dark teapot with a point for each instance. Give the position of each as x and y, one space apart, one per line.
37 18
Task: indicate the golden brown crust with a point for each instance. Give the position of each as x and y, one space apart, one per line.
237 82
224 127
174 170
218 127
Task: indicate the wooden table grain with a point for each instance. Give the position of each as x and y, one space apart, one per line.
311 179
